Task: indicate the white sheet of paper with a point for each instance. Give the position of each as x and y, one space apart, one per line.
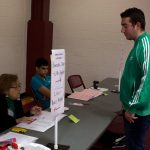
101 89
42 122
21 139
34 146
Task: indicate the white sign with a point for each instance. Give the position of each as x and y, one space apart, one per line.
57 81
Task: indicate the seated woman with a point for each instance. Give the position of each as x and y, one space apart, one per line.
11 111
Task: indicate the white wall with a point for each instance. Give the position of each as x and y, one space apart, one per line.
89 31
14 15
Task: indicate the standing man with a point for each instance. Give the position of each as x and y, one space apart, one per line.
41 83
135 81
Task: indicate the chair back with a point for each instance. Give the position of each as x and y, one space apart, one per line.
35 98
75 81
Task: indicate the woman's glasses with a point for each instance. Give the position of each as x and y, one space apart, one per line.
17 86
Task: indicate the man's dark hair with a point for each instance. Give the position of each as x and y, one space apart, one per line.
136 15
41 62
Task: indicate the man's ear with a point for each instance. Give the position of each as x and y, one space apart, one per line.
138 25
36 68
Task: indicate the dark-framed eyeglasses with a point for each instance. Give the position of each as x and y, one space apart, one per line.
17 86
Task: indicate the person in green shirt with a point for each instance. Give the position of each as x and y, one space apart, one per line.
11 110
135 81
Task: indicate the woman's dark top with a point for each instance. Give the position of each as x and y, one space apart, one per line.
7 121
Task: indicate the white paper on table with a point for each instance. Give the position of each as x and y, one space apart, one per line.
34 146
43 122
101 89
20 138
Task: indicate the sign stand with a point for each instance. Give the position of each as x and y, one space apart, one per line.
57 146
60 147
57 92
56 134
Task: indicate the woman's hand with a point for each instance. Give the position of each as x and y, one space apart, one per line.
35 110
25 120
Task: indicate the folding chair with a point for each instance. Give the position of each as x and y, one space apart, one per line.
35 98
75 81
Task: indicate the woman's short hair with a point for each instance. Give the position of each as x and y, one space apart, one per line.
6 81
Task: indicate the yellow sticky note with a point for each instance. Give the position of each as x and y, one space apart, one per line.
105 94
18 129
73 118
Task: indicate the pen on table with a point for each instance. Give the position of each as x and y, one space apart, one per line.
32 120
76 104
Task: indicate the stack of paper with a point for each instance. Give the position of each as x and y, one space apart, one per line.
42 122
86 94
20 138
